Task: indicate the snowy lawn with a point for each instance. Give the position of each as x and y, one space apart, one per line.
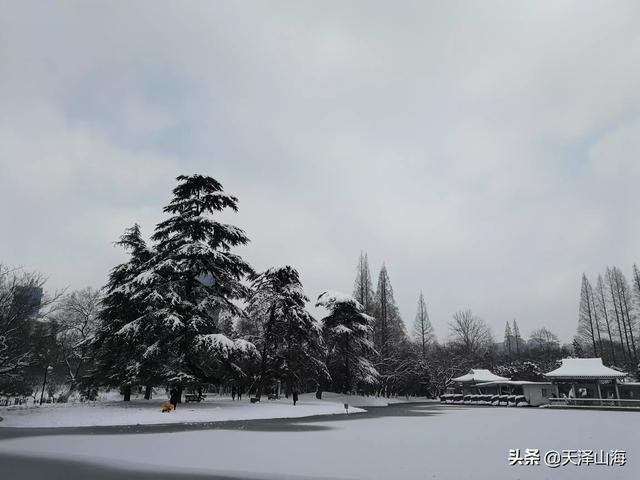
147 412
450 443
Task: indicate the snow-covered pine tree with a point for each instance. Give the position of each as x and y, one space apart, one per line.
422 329
508 339
191 281
118 344
363 287
290 344
346 332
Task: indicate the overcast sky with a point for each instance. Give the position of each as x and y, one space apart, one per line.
487 152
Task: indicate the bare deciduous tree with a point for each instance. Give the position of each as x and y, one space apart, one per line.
77 319
470 332
544 340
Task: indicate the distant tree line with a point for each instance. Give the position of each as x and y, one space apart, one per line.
186 311
608 318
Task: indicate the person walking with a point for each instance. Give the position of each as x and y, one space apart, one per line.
173 399
295 398
233 393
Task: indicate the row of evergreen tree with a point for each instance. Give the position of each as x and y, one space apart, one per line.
188 310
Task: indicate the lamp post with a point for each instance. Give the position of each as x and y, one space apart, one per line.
44 382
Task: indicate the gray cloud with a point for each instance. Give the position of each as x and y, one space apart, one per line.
486 151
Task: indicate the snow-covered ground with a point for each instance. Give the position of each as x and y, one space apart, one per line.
147 412
110 411
451 443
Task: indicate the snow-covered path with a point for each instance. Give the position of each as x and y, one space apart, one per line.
417 441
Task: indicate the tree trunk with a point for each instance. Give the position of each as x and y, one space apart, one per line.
606 319
147 392
127 393
263 361
179 394
624 302
615 309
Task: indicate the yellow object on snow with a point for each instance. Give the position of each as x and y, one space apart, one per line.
167 407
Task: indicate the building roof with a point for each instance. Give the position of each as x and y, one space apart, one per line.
511 382
580 368
479 375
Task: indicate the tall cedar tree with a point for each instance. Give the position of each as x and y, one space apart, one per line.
602 309
636 282
626 309
422 330
517 338
508 339
189 285
618 314
389 331
587 325
346 332
291 347
363 290
119 343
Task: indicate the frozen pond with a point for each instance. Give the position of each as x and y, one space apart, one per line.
400 441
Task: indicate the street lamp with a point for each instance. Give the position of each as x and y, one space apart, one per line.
44 382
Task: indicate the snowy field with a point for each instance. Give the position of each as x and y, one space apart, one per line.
148 412
413 441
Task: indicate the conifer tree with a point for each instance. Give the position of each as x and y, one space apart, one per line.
422 330
290 344
346 331
508 339
389 330
118 343
363 290
192 279
626 309
516 337
602 308
617 311
586 316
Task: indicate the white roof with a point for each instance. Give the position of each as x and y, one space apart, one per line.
584 368
511 382
479 375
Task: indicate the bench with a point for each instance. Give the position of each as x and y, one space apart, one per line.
193 397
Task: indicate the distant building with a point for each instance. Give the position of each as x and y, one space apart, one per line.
586 378
29 298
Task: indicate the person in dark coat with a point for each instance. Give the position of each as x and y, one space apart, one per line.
239 392
173 398
295 398
233 393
